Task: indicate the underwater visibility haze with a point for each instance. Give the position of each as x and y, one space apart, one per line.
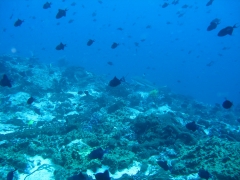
119 89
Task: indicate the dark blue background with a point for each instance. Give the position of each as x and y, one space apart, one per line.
176 54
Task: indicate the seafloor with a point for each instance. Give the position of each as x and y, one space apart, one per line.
75 112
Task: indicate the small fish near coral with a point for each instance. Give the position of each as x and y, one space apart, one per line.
86 93
97 153
5 81
204 174
192 126
80 176
164 165
10 175
103 176
30 100
115 81
227 104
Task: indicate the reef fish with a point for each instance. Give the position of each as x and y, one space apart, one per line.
213 24
164 165
90 42
61 13
110 63
204 174
192 126
80 176
102 176
115 81
226 31
5 81
97 153
227 104
60 46
175 2
18 22
30 100
10 175
209 3
47 5
73 4
165 5
114 45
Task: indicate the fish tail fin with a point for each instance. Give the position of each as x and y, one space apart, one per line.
235 25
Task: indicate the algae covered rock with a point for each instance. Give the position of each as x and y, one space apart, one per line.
118 159
220 157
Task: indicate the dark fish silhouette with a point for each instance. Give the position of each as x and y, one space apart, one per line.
148 26
94 14
5 81
175 2
185 6
70 21
209 3
115 81
47 5
165 5
90 42
86 93
226 31
10 175
192 126
227 104
103 176
120 29
18 22
213 24
30 100
204 174
110 63
114 45
97 153
164 165
60 46
210 63
136 44
61 13
80 176
73 4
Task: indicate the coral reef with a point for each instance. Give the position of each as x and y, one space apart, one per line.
74 112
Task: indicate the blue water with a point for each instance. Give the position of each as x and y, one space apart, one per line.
173 55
